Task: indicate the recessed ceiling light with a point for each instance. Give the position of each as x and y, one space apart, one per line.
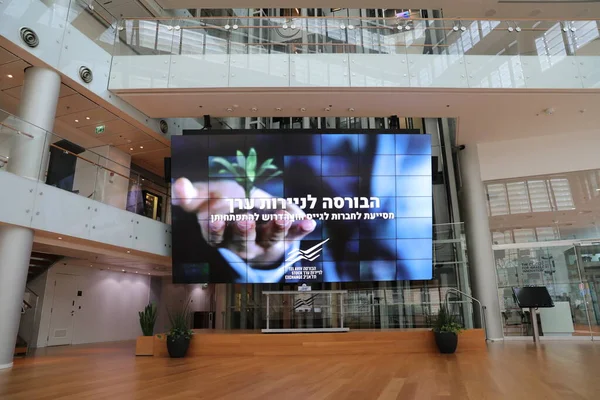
76 120
278 109
128 251
136 272
108 267
87 117
254 109
131 149
148 273
141 147
9 75
91 265
123 270
351 109
59 238
229 109
303 109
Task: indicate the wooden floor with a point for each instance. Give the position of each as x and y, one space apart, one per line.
513 370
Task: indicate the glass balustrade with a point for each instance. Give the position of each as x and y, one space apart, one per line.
326 51
101 173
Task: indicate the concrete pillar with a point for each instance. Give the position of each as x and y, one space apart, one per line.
15 251
479 240
39 98
28 158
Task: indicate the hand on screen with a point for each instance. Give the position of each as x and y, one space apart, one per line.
256 243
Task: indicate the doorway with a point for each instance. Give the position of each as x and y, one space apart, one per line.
64 295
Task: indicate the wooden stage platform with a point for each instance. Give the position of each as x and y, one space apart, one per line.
359 342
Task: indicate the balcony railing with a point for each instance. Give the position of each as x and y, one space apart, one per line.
325 51
93 173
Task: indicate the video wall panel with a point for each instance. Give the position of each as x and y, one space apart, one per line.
289 207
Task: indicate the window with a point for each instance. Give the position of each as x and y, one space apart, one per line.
536 195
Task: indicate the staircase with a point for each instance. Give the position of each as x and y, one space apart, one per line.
38 264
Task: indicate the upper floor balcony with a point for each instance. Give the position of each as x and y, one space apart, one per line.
280 52
92 196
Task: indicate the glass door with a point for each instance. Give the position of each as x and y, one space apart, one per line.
557 268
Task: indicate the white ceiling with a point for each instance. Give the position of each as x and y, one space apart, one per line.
95 255
484 115
562 9
77 118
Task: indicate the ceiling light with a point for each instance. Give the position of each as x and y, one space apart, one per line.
91 265
351 109
123 270
303 109
9 75
108 267
136 272
141 147
87 117
131 149
278 109
229 109
327 109
76 120
128 251
148 273
254 109
59 238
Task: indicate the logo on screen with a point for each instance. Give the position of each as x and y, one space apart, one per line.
309 254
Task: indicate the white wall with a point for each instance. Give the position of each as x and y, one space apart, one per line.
107 187
539 155
109 303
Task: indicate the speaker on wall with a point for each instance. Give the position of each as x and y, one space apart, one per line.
168 169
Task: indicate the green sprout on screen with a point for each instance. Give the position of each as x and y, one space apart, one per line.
245 171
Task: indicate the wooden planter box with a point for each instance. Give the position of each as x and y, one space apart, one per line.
144 346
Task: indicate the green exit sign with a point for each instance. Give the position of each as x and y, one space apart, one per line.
100 129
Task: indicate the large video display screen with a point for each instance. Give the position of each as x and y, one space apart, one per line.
289 207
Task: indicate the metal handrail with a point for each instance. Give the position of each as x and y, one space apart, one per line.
474 299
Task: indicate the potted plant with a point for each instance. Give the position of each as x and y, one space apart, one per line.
446 330
144 345
179 336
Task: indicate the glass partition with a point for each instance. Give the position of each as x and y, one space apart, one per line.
588 259
558 269
367 305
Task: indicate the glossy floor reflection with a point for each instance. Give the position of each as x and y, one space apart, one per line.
515 370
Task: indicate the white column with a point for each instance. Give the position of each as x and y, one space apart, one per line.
15 251
28 154
479 240
39 98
